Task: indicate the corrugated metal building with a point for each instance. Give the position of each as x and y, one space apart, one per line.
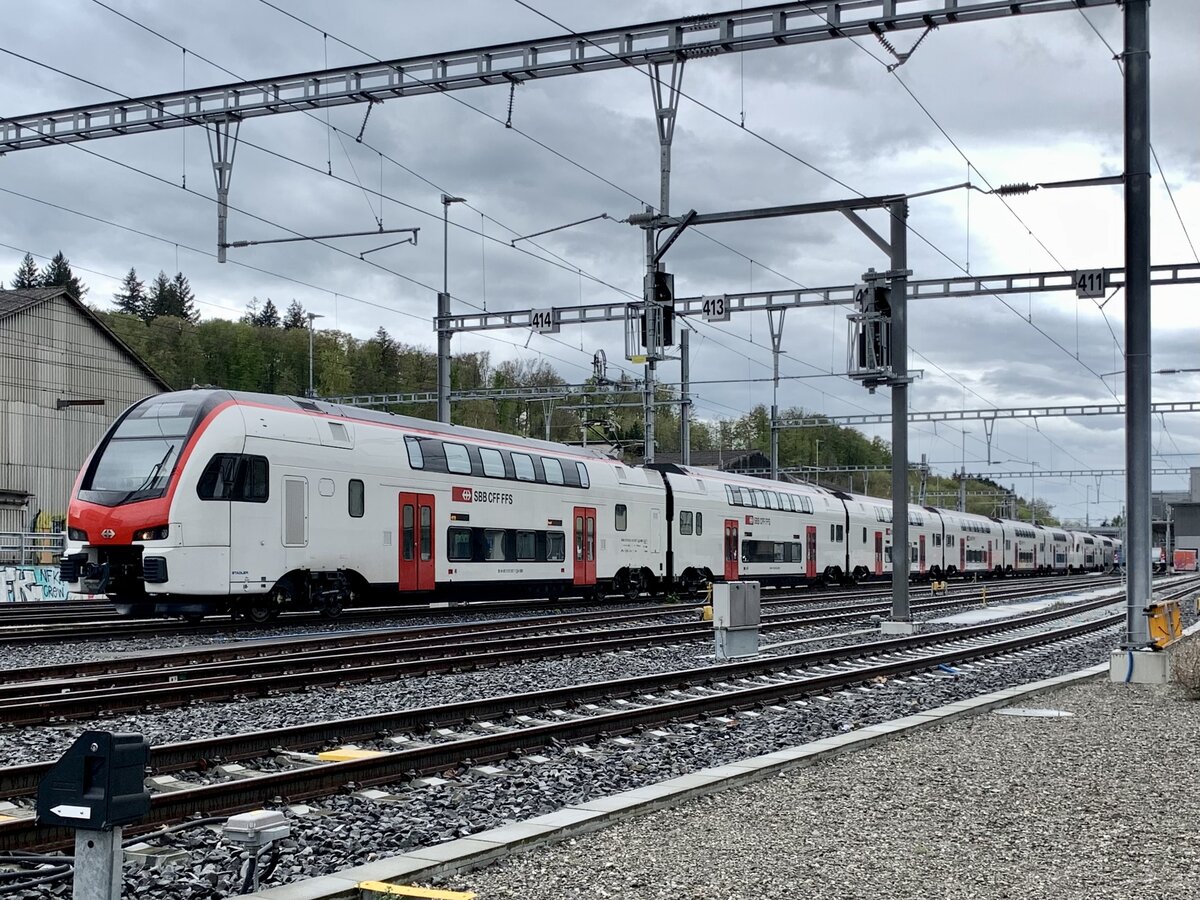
54 350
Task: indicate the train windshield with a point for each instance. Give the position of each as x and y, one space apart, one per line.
137 457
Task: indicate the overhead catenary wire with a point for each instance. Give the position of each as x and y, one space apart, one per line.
822 172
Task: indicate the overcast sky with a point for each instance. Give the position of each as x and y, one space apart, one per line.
1025 99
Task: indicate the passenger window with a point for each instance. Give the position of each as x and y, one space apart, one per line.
407 541
426 534
493 462
458 543
584 481
553 470
231 476
685 522
523 466
416 459
218 478
556 546
699 523
493 545
255 484
526 545
620 517
841 533
457 458
357 494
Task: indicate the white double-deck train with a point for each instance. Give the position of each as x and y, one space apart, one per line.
206 500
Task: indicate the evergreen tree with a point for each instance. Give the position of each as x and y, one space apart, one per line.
250 317
161 299
27 276
296 317
268 316
132 296
183 301
58 274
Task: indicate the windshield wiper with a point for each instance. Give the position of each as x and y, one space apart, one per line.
149 478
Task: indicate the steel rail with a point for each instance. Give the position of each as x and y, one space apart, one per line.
321 780
39 702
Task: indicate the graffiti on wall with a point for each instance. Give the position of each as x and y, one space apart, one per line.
23 584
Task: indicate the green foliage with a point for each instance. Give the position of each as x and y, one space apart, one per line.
170 298
58 274
295 316
131 299
27 275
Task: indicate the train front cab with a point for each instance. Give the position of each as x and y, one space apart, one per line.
125 536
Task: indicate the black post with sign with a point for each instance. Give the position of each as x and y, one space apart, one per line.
96 788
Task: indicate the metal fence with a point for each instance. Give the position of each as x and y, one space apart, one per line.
31 549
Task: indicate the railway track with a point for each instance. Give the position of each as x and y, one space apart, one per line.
42 694
89 620
565 715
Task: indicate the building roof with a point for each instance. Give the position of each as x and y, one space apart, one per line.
20 300
12 302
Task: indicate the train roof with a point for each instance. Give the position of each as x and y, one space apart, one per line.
371 416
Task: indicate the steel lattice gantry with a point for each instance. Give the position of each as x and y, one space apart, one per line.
838 295
970 415
733 31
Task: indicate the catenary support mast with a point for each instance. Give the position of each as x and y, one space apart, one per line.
1137 316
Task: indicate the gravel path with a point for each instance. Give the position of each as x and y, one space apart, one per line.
1104 804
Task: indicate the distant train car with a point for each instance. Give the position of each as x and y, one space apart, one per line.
774 533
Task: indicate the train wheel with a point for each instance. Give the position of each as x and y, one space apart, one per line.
631 586
332 610
193 618
259 611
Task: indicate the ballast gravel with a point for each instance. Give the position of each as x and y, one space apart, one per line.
347 830
1101 804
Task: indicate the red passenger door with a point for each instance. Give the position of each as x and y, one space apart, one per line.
810 551
731 549
879 553
989 555
962 553
416 542
585 545
921 554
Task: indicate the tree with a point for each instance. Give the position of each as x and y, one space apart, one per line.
27 275
161 299
250 317
268 316
132 296
58 274
296 317
183 301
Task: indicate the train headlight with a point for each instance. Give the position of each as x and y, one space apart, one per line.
77 534
158 533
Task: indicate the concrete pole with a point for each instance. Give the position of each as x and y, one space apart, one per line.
443 312
312 390
898 216
653 338
1137 317
685 388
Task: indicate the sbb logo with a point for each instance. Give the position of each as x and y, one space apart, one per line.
749 520
463 494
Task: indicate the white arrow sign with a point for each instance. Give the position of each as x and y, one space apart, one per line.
72 812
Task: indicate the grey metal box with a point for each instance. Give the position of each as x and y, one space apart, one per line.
736 604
